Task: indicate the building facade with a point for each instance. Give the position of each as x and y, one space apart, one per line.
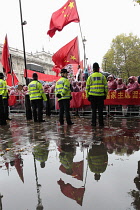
43 59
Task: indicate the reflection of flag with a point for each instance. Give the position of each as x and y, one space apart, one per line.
5 57
7 166
18 166
77 169
68 54
68 190
62 17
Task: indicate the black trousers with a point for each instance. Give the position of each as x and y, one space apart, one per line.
6 110
64 106
97 103
37 108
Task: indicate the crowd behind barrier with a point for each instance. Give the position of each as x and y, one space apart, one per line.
79 101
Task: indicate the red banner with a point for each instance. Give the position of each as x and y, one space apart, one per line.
113 98
123 98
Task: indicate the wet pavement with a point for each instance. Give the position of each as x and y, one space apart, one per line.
52 167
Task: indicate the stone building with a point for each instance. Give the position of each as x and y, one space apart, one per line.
43 59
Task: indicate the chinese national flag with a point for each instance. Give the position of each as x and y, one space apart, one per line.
5 58
56 69
12 79
62 17
68 190
68 54
19 167
77 170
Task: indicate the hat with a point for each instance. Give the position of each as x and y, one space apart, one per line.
35 75
1 74
96 66
64 71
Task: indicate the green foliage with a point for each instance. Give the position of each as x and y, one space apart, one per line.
123 58
137 1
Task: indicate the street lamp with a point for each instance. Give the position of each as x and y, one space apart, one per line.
84 41
22 24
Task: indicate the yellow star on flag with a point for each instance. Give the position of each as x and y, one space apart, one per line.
72 57
71 5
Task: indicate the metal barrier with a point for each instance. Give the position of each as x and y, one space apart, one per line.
50 108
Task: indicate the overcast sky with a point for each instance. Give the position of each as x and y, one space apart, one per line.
100 20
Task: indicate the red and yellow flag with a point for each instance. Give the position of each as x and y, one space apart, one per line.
68 190
62 17
5 58
68 54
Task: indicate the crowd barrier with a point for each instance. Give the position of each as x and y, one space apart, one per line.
113 103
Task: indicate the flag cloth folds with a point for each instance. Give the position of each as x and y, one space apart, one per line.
5 57
56 69
68 190
62 17
77 170
12 79
68 54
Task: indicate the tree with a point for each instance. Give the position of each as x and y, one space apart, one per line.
123 58
137 1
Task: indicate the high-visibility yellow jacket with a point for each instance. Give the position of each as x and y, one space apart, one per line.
3 89
36 91
62 87
96 85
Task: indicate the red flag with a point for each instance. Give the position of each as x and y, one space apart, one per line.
5 57
56 69
12 79
68 190
19 167
77 170
62 17
68 54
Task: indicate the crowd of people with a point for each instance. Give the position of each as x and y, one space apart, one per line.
96 84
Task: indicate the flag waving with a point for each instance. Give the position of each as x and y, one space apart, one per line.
62 17
5 58
68 54
68 190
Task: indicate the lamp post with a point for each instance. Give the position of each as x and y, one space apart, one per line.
22 24
84 41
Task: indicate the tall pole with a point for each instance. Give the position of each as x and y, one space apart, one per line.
22 24
84 40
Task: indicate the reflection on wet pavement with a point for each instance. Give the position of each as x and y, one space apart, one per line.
52 167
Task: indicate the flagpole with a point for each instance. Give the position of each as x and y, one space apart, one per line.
22 24
83 41
11 67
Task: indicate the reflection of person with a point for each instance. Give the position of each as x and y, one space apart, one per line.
37 96
137 179
4 93
96 92
66 157
41 152
63 93
98 159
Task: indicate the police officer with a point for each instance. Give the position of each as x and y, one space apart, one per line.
37 95
96 92
63 93
4 93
